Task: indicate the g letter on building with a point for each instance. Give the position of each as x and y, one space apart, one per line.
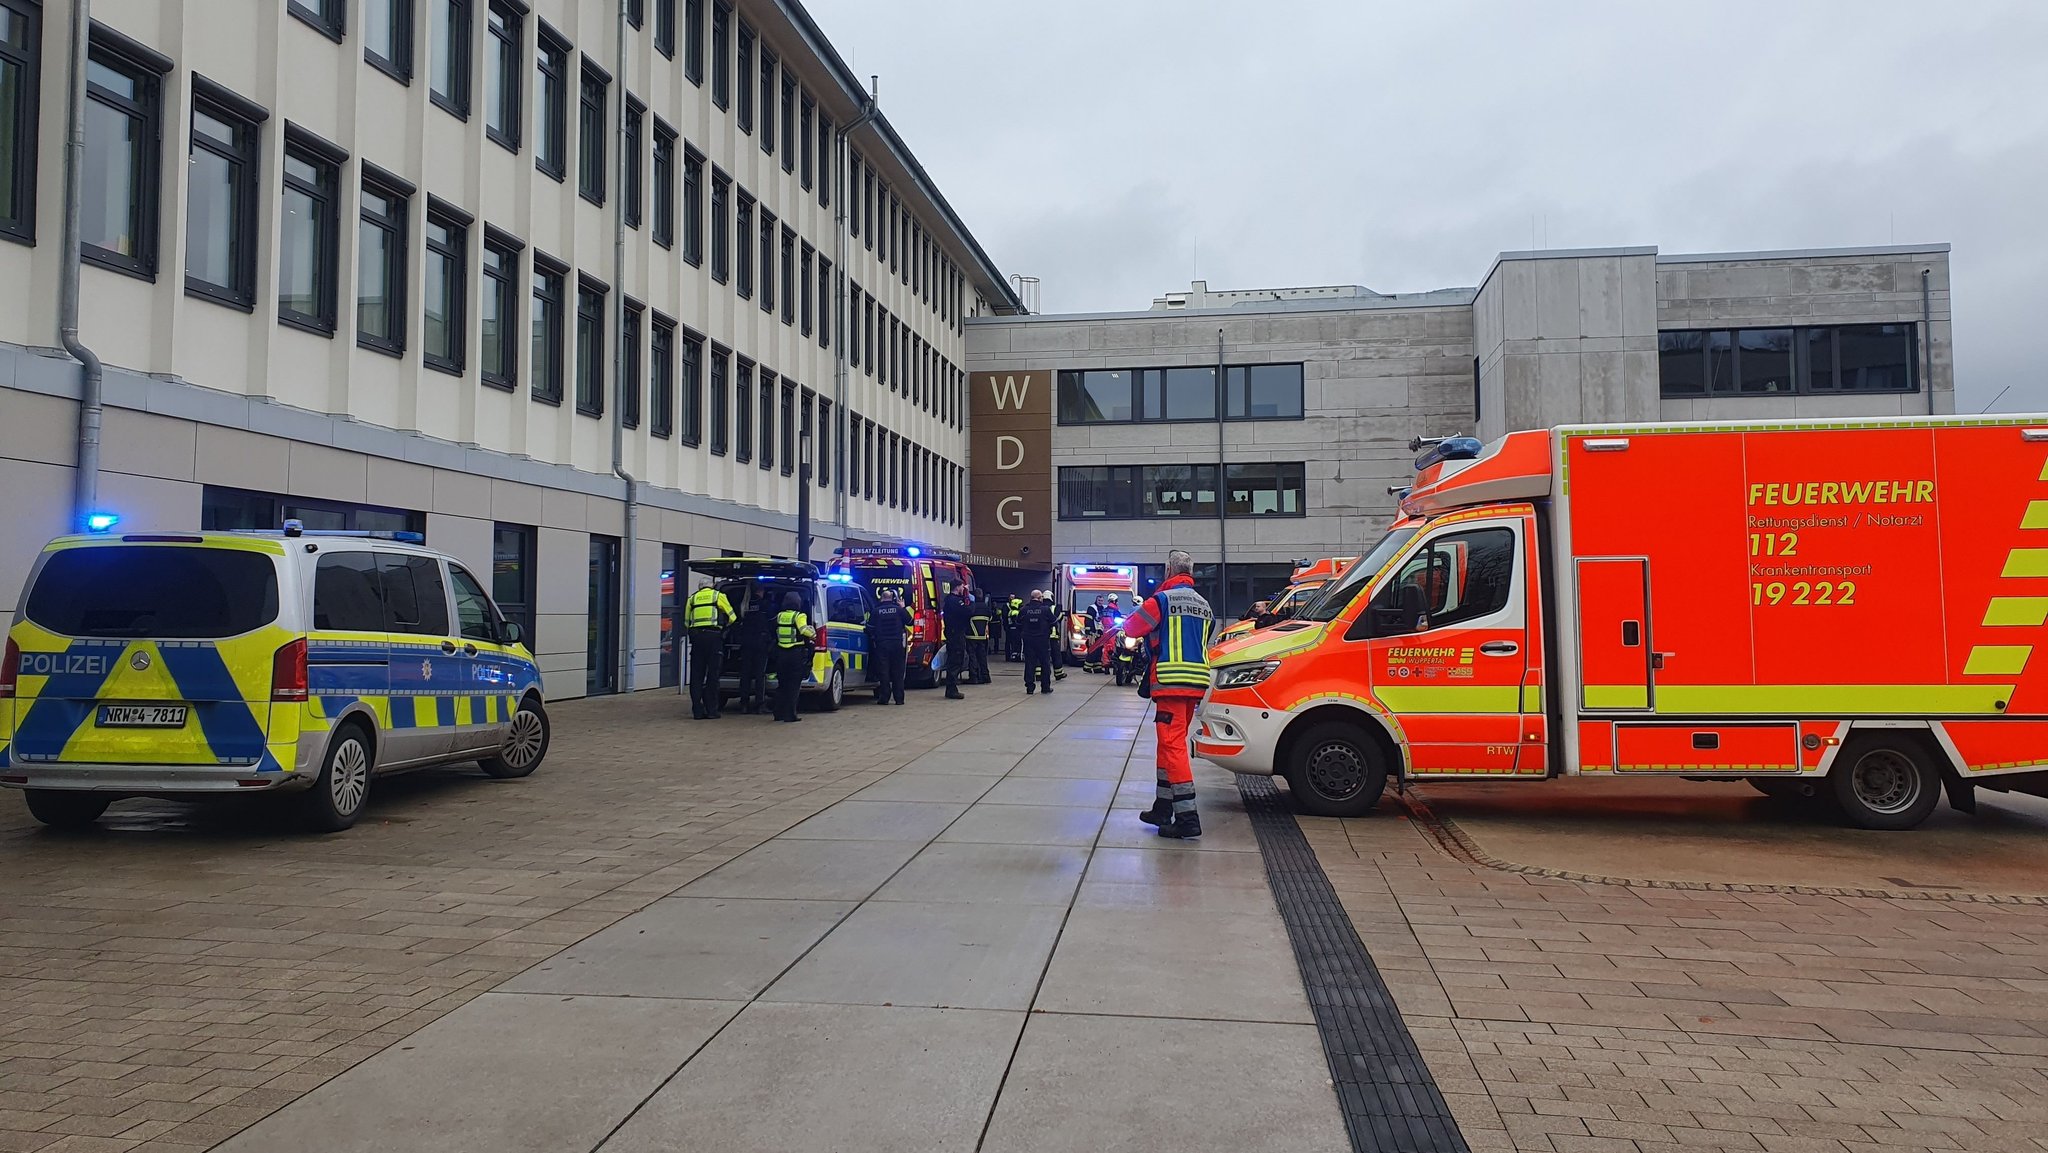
1010 455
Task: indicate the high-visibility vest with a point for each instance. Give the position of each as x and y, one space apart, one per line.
1181 646
977 624
793 630
709 609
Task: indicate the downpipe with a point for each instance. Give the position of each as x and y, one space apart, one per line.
629 548
86 476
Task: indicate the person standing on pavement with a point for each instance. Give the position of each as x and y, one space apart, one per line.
888 636
1012 639
709 615
978 621
757 642
956 614
1035 626
1177 623
795 641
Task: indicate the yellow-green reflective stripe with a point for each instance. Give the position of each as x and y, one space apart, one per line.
2026 562
2022 611
2037 515
1832 700
1451 698
1997 660
1532 698
1617 697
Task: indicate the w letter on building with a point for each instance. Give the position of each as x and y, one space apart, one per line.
1010 393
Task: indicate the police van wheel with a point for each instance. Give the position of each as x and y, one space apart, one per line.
526 743
1335 770
835 692
1885 781
337 797
64 809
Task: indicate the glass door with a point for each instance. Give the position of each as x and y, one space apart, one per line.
601 674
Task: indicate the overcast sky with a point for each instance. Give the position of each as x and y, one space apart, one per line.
1118 149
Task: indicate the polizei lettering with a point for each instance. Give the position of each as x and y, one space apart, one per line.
1817 492
63 664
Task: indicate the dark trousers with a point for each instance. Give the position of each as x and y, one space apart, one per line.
1012 641
1038 663
753 676
791 666
977 661
707 664
956 655
888 666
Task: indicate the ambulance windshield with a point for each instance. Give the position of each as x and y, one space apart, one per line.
1339 593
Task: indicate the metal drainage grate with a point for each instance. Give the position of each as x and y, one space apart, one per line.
1391 1104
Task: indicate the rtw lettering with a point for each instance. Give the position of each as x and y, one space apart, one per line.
1814 492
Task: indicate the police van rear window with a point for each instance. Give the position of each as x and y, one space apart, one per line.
154 591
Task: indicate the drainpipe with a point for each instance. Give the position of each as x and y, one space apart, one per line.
840 370
629 549
1222 470
1927 331
86 476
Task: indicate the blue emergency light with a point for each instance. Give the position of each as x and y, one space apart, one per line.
913 550
100 521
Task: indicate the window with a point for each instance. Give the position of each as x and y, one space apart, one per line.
693 206
636 14
721 54
551 104
743 83
693 390
853 307
665 32
1098 396
789 276
664 185
1775 361
1264 489
348 595
228 509
512 575
767 294
872 467
548 278
789 133
766 416
853 455
743 246
328 17
661 381
675 560
415 600
450 38
867 309
589 347
220 199
1177 490
387 37
743 412
693 38
867 193
500 309
380 267
821 442
473 616
635 113
853 175
1263 392
307 238
21 47
721 401
444 279
767 101
824 303
1453 579
810 115
721 225
502 103
593 84
824 161
789 429
629 351
123 124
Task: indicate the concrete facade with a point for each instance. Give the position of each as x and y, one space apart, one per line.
1547 338
204 393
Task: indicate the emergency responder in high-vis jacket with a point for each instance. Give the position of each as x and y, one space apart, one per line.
979 620
708 616
1012 639
888 631
1035 628
757 642
957 616
1177 623
795 642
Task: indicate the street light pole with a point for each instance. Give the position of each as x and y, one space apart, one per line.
803 497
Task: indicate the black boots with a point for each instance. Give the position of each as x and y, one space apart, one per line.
1173 810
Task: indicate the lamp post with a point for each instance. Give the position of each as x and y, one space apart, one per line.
803 497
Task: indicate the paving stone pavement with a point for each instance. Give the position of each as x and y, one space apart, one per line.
1562 1016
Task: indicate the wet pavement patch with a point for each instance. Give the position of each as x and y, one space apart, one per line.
1390 1102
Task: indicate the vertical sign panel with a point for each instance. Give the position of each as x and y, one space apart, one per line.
1011 466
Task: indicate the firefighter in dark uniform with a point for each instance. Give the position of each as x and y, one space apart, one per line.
978 622
957 615
888 636
1036 624
708 617
795 642
757 638
1011 637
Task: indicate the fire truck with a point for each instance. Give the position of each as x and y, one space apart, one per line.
1845 610
920 577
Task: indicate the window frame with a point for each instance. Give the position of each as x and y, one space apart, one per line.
592 147
766 65
693 206
1802 357
665 28
397 228
787 269
825 156
245 119
505 35
462 27
523 540
721 54
825 302
690 366
592 297
807 141
145 110
743 77
458 223
503 285
399 64
633 198
693 40
764 422
27 62
312 150
718 382
551 53
789 426
764 288
806 267
789 142
1281 471
743 410
632 328
663 174
548 288
721 226
327 17
661 376
822 435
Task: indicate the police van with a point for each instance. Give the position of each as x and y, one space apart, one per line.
836 607
305 664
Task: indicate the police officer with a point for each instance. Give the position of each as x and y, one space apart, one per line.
1036 624
1178 623
888 635
978 621
795 641
708 616
1011 637
757 638
956 614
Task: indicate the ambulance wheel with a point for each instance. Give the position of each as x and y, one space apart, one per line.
526 743
1885 781
337 795
65 809
1336 770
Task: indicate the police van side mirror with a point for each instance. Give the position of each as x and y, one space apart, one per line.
513 633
